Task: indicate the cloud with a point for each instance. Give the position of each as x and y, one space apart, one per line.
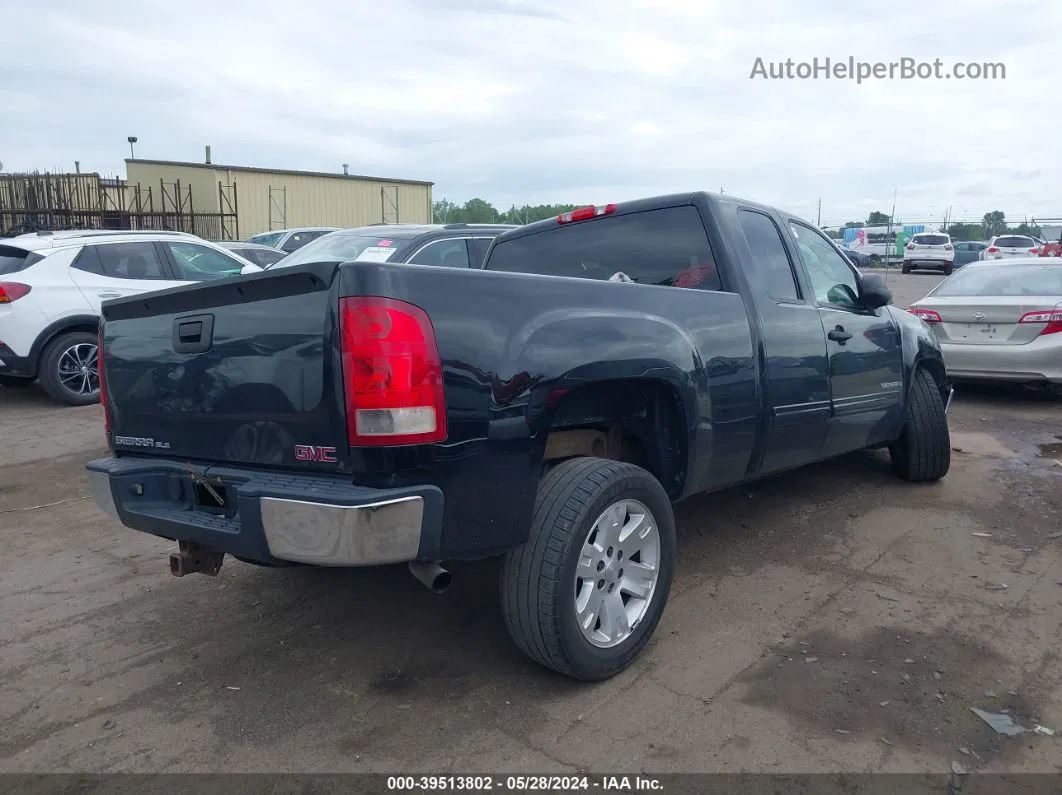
532 102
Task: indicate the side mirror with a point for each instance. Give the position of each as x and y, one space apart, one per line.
248 269
874 292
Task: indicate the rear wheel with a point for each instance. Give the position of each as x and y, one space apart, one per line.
948 269
906 268
923 451
586 591
69 369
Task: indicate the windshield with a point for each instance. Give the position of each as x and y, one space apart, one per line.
1034 280
338 247
1015 241
931 240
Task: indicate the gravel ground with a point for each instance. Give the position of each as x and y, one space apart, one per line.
831 619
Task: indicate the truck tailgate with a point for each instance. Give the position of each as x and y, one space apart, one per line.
242 370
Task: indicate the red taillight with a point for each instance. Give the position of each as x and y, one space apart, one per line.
927 315
948 247
392 373
584 213
12 291
1035 250
910 246
103 388
1051 318
993 249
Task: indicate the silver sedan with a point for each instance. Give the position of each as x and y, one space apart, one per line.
999 320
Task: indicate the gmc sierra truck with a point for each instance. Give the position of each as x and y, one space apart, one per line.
550 406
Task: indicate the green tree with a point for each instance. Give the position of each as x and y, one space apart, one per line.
966 231
878 218
1026 229
994 223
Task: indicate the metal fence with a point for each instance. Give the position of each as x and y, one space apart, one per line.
44 201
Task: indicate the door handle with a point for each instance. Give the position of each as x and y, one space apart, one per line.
109 295
839 335
193 334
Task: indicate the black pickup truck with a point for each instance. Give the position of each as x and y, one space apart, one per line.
549 407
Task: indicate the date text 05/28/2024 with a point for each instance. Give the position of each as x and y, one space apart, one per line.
523 783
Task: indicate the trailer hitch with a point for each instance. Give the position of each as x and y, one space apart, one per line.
192 558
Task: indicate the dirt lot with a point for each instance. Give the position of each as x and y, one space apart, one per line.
826 620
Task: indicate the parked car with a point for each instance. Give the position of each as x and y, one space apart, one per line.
857 258
929 250
1006 246
290 239
549 407
52 286
449 245
967 251
262 256
1000 321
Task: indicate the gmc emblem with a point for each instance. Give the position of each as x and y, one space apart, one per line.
313 452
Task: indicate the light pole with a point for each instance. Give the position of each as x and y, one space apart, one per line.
132 140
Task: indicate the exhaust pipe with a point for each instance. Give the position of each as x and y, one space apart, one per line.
432 575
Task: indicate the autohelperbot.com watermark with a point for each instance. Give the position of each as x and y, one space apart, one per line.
860 71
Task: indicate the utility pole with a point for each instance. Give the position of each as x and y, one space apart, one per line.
818 219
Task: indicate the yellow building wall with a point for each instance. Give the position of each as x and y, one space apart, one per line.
323 201
203 181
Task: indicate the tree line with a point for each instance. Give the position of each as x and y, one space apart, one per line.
993 223
480 211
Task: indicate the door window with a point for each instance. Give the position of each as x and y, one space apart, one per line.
833 280
768 254
123 261
443 254
196 263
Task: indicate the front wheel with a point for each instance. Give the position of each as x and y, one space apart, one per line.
923 451
586 591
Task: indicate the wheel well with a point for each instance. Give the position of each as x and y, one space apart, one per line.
636 420
51 335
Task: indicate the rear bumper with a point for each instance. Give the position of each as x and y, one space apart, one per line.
271 517
18 366
927 262
1039 360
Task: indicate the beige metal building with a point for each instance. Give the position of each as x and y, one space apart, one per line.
257 200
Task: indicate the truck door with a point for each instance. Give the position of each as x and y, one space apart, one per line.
797 397
865 360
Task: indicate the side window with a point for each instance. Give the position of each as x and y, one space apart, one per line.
666 247
832 279
443 254
196 263
130 261
269 239
768 252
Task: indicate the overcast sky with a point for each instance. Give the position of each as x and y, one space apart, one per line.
539 102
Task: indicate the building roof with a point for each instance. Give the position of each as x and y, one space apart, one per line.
290 172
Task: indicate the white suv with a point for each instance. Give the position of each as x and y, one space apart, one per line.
53 283
929 250
1010 246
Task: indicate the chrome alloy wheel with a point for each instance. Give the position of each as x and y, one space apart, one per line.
617 572
78 369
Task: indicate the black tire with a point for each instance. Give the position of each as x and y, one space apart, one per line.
53 356
948 270
905 268
923 451
14 381
875 261
538 578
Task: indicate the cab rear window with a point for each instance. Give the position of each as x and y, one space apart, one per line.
13 259
666 247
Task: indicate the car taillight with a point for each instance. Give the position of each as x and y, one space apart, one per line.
103 388
948 247
12 291
993 249
927 315
583 213
910 246
1035 250
1052 320
392 373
